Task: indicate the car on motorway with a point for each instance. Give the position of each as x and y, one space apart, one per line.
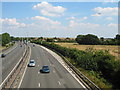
45 69
3 55
31 63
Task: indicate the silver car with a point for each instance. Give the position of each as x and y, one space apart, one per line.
31 63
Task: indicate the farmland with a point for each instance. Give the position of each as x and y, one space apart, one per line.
114 50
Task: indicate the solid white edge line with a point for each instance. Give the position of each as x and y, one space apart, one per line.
39 85
59 82
11 71
24 71
63 66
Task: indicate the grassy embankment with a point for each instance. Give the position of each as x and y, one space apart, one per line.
95 77
1 48
7 46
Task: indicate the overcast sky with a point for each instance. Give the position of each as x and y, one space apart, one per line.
60 19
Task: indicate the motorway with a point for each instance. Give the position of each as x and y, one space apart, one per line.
58 77
11 58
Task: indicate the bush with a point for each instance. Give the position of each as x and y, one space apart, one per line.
88 39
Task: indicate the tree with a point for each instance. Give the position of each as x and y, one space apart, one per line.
40 38
5 39
102 39
12 38
49 40
88 39
118 39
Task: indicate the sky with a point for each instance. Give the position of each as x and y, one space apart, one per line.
59 19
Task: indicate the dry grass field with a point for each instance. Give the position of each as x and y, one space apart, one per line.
112 49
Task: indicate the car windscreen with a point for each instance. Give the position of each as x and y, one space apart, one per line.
32 62
45 67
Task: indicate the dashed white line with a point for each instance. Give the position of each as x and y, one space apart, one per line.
59 82
39 85
38 72
38 65
53 71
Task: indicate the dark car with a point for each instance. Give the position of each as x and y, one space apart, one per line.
3 55
45 69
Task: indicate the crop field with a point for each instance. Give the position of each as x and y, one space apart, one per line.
114 50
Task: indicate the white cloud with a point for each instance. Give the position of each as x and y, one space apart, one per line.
71 18
85 25
84 18
47 9
108 11
109 1
109 18
77 19
97 14
11 23
45 20
42 26
112 25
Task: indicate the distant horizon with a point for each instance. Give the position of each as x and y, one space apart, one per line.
52 36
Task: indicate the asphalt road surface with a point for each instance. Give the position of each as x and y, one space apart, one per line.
58 77
10 60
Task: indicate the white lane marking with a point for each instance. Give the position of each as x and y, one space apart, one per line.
53 71
59 83
38 65
38 72
11 72
24 70
39 85
60 60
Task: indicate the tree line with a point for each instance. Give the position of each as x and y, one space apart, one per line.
98 61
88 39
91 39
